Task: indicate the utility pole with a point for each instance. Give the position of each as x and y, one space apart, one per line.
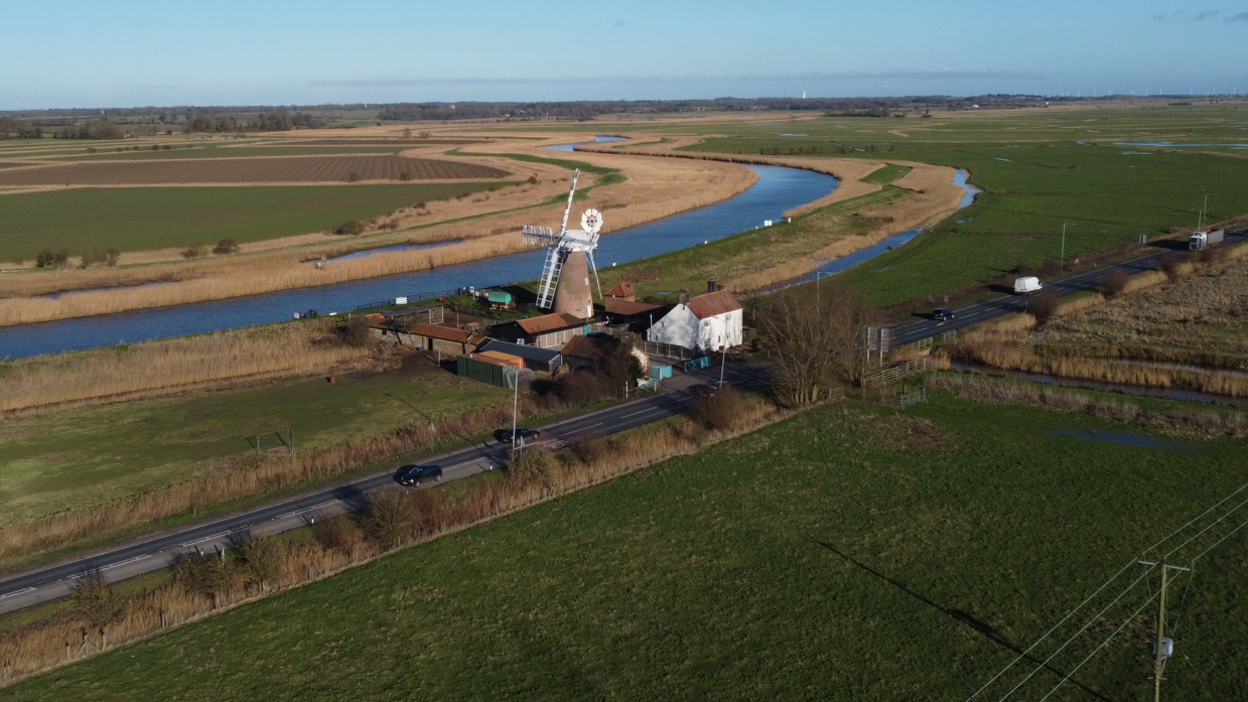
1160 655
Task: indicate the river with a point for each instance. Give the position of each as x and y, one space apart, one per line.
777 190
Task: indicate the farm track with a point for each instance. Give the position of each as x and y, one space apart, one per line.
301 169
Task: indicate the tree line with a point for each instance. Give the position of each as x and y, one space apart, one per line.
278 121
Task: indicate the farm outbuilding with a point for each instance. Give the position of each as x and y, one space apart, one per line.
535 358
487 367
635 316
704 323
447 340
548 331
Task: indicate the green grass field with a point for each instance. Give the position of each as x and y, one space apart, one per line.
851 553
134 219
1036 176
105 453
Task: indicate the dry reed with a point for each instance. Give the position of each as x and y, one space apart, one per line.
157 368
42 645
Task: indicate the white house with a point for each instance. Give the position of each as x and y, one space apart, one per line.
707 322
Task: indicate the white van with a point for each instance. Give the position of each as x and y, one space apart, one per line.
1026 285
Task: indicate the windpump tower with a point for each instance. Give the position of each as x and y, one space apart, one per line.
564 286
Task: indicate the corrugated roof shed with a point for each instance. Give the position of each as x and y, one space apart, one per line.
630 309
438 331
529 353
712 304
549 323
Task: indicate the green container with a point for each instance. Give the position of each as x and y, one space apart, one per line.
498 297
480 371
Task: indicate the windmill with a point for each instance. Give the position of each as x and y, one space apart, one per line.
570 254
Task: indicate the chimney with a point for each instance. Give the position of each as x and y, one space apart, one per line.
712 286
684 297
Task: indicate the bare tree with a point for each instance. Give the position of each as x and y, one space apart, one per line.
264 558
388 519
816 347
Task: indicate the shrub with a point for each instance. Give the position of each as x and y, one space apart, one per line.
532 180
94 597
719 410
194 251
52 258
97 257
354 331
337 534
352 228
225 246
353 177
583 387
1114 283
405 176
532 464
263 558
209 574
388 519
1042 306
1169 263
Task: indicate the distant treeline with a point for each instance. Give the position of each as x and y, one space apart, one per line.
279 121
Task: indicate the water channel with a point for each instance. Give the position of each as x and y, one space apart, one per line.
778 189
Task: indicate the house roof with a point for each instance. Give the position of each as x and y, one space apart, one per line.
621 290
591 347
437 331
712 304
529 353
549 323
629 308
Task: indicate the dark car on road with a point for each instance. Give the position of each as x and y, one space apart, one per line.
707 389
526 435
942 314
415 474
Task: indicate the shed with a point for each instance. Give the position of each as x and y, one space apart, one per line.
535 358
623 291
435 337
636 316
486 368
547 331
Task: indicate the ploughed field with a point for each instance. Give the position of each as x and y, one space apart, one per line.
310 169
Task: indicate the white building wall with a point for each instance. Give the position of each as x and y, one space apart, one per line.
683 328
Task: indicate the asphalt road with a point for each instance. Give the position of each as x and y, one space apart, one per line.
984 311
159 551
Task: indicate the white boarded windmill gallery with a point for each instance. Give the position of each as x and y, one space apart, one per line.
564 284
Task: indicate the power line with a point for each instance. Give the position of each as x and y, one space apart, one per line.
1107 583
1212 525
1097 650
1079 633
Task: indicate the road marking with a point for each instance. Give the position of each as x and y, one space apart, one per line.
591 426
128 560
634 414
15 593
206 538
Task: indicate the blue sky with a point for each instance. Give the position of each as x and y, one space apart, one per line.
91 54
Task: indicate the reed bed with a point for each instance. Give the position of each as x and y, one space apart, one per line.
158 368
1187 423
44 645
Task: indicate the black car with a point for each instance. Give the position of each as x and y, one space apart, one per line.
413 475
707 389
942 314
526 435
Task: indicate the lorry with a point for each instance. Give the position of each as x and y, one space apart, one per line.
1203 240
1026 285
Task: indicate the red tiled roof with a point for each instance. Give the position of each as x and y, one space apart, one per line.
711 304
549 323
621 290
628 308
437 331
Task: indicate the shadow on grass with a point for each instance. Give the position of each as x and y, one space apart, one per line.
983 628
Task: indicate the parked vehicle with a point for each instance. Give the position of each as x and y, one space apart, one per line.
415 474
1200 241
942 314
506 436
1027 285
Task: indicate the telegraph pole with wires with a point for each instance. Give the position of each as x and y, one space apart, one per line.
1163 647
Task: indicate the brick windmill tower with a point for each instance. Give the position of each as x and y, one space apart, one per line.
569 259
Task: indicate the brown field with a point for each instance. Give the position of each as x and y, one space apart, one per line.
379 141
292 169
